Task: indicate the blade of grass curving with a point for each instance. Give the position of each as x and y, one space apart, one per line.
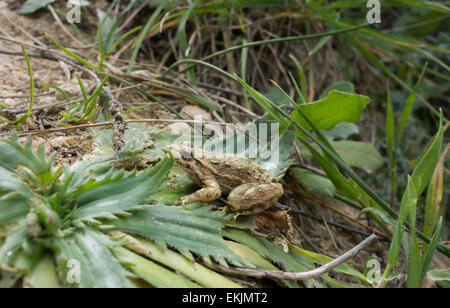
323 41
182 37
434 197
391 149
122 38
415 266
82 87
100 47
409 199
408 108
428 255
244 57
297 89
30 73
64 93
303 84
143 33
71 53
426 166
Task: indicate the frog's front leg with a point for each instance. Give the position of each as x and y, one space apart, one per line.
254 198
210 192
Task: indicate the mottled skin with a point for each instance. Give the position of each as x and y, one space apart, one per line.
250 188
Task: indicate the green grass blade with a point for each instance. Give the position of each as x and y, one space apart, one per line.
143 33
30 72
71 53
408 107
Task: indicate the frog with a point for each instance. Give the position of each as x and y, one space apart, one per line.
249 188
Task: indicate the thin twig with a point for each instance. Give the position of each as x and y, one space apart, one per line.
260 273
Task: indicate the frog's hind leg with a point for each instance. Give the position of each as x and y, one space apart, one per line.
253 198
210 193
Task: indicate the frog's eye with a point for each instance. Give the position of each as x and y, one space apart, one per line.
186 155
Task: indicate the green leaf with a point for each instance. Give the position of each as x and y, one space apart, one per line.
415 266
182 265
425 168
408 107
428 256
341 131
336 108
44 275
188 229
32 6
359 154
98 267
117 196
15 239
151 272
256 259
13 207
440 274
390 130
434 198
315 183
342 86
409 200
288 261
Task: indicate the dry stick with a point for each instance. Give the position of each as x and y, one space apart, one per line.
260 273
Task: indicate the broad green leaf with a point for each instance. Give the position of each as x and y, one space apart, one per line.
343 86
336 108
359 154
171 259
122 195
315 183
15 239
44 275
289 261
188 229
440 274
32 6
13 154
425 168
341 131
13 207
88 251
151 272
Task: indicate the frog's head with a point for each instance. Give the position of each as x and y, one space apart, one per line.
181 153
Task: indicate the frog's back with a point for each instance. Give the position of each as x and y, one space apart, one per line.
232 171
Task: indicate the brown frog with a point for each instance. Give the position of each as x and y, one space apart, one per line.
250 188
